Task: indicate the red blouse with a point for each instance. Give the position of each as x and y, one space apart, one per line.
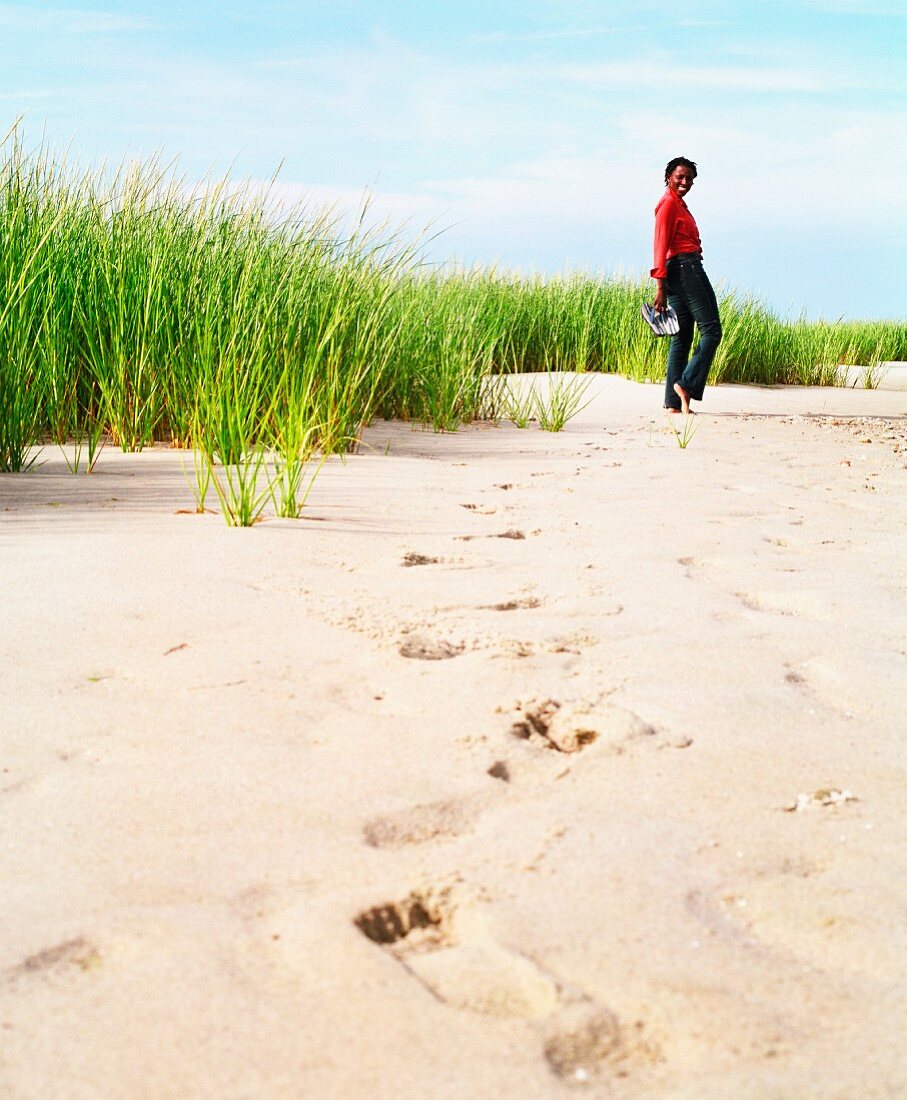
675 231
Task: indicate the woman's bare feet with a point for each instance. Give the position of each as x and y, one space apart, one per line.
684 398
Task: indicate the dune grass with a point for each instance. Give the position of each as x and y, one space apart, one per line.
140 310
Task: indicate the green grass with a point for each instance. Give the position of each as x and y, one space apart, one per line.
684 436
140 310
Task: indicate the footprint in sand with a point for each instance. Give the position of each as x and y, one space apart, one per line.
411 558
773 603
513 533
79 953
447 946
811 909
443 820
590 1043
787 602
525 604
569 727
869 682
421 647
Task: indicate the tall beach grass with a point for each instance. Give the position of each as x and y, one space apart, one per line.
136 307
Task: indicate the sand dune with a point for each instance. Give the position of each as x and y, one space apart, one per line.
523 763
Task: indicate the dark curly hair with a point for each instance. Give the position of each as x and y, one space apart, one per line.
676 163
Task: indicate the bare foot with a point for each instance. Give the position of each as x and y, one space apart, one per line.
684 398
671 411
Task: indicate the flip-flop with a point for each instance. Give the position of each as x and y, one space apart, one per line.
662 324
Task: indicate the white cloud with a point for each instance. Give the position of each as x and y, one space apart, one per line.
754 186
689 79
417 212
28 94
547 36
809 170
859 7
22 17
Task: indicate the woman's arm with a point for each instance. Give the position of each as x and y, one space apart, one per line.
664 233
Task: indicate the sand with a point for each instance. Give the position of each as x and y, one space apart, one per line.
524 766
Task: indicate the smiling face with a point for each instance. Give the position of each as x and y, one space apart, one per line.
681 180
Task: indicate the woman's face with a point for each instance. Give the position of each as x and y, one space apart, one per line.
681 180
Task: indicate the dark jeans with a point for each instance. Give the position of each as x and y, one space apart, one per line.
690 293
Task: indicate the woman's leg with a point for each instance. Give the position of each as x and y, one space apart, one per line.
681 342
703 305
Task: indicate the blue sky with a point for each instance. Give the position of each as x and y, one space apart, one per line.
533 134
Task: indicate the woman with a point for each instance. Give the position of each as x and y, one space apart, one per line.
684 285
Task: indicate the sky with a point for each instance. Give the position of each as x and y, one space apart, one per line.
528 135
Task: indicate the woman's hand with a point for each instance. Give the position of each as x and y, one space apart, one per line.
660 304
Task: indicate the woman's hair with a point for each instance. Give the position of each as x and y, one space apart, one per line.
676 163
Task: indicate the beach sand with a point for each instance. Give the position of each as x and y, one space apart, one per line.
524 765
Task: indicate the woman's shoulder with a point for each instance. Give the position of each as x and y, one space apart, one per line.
666 199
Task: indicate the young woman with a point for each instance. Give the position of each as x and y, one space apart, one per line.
684 285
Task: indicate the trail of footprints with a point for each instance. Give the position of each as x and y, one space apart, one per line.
543 725
442 936
420 644
418 637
